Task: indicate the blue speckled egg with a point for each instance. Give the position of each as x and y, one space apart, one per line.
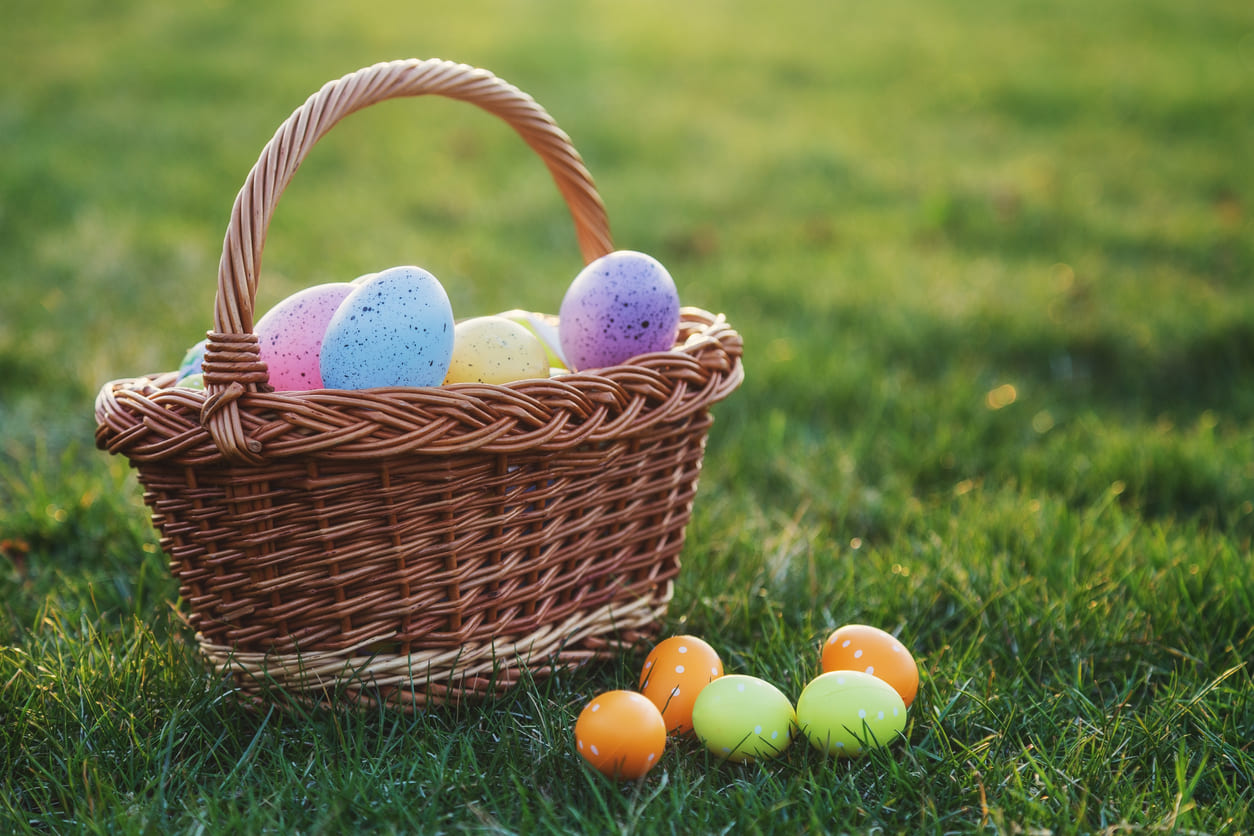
289 336
393 329
619 306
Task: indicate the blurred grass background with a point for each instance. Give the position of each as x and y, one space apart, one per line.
993 266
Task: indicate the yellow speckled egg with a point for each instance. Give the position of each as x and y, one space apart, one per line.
493 349
544 326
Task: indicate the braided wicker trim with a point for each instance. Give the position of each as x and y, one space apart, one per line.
148 420
474 669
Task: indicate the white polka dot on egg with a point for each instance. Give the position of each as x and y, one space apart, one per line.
679 669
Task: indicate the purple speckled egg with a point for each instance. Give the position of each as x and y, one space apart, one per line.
290 335
393 329
619 306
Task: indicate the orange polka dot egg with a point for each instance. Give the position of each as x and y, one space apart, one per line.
674 673
620 734
870 650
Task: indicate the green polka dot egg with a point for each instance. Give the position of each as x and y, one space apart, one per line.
742 718
843 713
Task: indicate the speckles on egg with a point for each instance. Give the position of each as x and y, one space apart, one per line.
393 329
290 335
621 305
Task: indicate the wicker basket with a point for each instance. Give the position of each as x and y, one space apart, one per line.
417 545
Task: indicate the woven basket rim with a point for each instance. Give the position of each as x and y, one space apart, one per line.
149 419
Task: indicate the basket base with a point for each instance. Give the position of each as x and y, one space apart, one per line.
437 677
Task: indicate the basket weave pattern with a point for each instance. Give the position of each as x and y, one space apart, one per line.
426 544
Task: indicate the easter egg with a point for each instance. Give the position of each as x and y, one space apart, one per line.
674 673
289 336
544 327
741 718
621 305
859 647
844 712
393 329
492 349
620 734
193 359
196 380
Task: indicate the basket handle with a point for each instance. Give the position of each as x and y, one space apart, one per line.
232 366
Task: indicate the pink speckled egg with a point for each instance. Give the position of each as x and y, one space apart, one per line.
621 305
290 335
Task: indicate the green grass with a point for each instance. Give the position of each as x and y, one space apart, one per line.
993 265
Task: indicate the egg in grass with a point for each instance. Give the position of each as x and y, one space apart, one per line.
620 734
674 673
